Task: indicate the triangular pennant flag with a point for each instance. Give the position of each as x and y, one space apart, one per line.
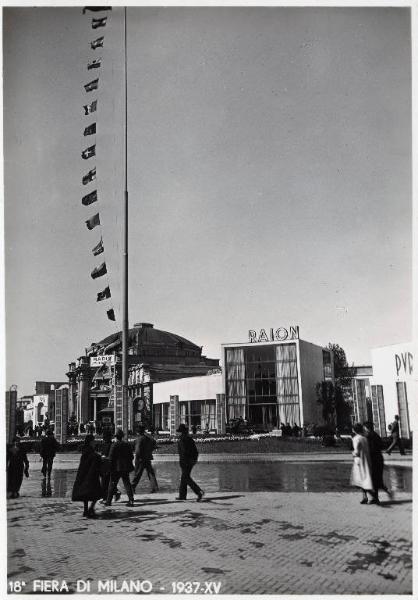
104 294
93 85
96 8
89 152
90 108
98 43
99 248
89 198
94 64
111 314
100 22
89 177
90 130
99 271
93 221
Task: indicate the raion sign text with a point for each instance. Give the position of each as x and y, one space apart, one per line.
274 335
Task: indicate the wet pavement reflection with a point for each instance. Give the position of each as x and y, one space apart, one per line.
240 477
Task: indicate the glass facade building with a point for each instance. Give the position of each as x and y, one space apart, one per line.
268 384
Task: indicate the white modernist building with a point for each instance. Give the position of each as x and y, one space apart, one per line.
394 387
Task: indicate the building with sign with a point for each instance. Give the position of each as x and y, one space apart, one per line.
272 379
154 356
393 387
268 381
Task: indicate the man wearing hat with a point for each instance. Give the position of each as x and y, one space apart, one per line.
144 446
120 458
188 458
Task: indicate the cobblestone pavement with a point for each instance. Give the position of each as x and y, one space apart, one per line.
252 543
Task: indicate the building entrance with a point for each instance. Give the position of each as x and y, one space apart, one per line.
264 416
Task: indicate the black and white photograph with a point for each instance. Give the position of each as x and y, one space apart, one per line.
208 273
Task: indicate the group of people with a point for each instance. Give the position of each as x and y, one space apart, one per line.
367 471
98 474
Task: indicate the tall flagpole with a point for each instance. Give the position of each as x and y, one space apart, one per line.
125 322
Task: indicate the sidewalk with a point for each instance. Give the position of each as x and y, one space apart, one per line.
252 543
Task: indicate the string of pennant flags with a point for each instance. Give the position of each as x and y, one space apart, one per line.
90 151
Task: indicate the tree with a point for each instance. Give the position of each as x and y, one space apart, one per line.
325 393
343 374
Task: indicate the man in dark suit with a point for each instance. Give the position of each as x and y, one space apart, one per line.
48 450
120 458
396 438
188 458
144 446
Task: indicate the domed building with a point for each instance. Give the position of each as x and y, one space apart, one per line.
154 356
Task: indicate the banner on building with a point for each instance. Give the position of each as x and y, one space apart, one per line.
220 413
61 414
174 414
11 403
118 406
98 361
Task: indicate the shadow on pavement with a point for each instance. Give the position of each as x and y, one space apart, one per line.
389 503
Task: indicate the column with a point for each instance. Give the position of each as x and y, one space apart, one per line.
83 396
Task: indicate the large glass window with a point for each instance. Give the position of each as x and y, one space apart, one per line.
262 384
287 384
235 383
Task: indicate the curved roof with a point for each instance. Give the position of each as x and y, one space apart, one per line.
147 335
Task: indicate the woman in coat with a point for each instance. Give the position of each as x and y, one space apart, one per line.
17 464
87 485
361 474
376 461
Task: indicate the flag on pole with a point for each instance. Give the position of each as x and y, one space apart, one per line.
93 85
97 43
100 22
96 8
90 108
90 130
89 152
90 176
104 294
94 64
93 221
99 271
111 314
89 198
99 248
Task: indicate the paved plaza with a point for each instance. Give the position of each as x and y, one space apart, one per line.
251 543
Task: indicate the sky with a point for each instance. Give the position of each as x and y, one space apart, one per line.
269 178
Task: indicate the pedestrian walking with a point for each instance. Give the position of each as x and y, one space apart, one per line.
120 457
144 447
395 437
48 450
17 464
87 487
105 466
376 461
361 475
188 455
